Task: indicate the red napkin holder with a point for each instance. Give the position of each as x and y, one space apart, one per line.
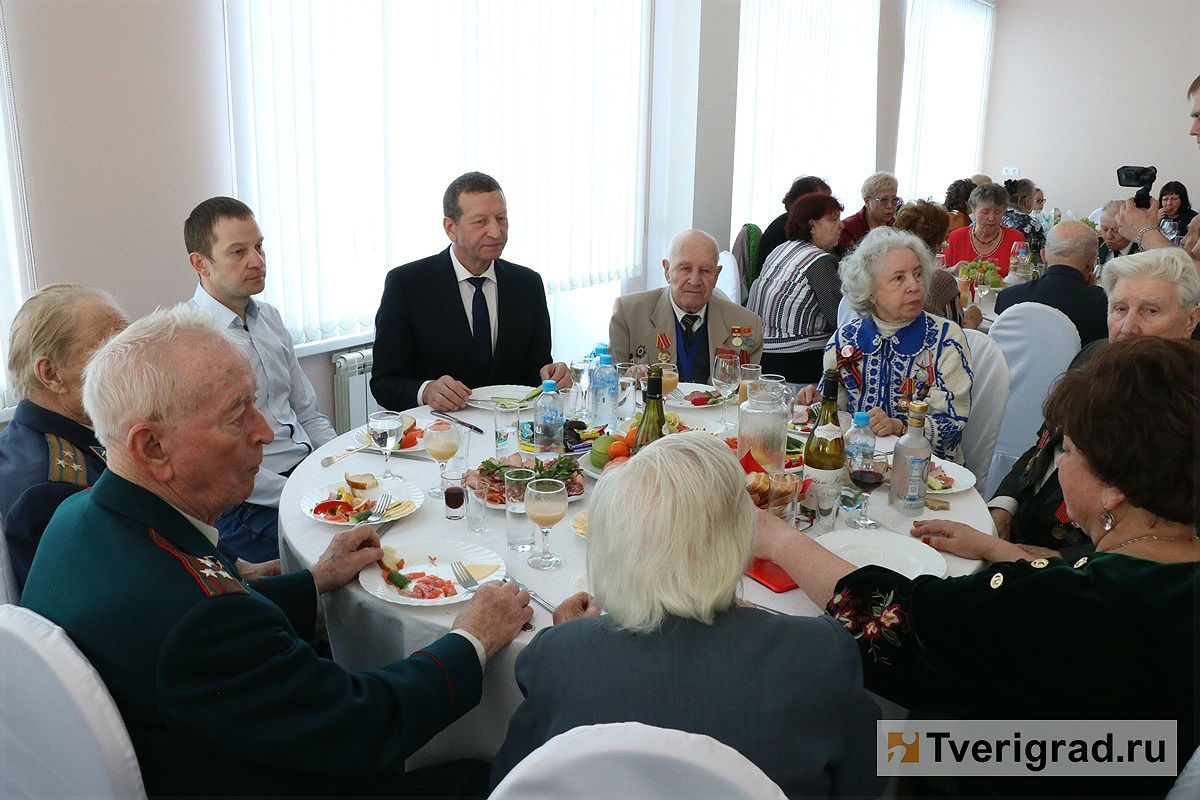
770 575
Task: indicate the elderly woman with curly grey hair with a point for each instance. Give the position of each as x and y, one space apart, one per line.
894 351
669 534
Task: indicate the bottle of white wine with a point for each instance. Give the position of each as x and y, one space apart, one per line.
825 451
654 420
910 464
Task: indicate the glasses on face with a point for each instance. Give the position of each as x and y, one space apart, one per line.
894 202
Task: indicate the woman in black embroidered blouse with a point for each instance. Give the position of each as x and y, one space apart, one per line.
1110 636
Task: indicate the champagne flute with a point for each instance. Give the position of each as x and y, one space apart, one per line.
867 473
726 376
383 427
670 379
545 505
441 441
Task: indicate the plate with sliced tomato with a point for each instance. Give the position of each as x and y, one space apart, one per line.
419 573
352 501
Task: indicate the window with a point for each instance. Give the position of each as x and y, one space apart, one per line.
15 283
806 101
947 56
350 119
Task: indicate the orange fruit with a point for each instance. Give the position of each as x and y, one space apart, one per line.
618 449
631 436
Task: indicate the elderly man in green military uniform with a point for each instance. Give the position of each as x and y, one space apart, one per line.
212 676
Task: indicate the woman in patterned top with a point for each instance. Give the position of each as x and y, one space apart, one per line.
895 351
1108 636
1020 216
798 291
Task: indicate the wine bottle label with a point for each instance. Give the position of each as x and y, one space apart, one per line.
828 477
829 432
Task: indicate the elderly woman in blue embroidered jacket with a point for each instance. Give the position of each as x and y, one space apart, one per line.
894 351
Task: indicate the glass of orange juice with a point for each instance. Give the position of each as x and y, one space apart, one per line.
670 379
441 441
545 505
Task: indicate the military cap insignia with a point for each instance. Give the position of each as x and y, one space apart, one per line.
207 571
66 461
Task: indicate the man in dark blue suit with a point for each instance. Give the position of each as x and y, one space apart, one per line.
462 318
1067 283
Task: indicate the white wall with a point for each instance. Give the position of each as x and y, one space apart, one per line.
123 121
1081 87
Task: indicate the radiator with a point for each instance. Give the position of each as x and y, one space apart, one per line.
352 400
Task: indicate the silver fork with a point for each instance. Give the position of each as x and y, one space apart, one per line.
464 577
381 507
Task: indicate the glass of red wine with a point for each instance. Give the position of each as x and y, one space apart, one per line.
866 472
454 493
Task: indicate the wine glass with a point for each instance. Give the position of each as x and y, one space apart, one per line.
1019 257
384 429
866 471
545 505
726 376
441 441
581 372
1169 228
670 379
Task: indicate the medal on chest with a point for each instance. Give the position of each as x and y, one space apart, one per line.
663 345
740 336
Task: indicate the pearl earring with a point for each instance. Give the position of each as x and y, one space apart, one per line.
1108 520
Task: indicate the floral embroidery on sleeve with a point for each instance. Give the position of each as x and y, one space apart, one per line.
876 627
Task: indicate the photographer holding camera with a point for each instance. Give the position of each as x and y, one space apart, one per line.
1141 224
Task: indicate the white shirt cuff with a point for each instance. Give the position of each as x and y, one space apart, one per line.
421 393
1009 504
478 645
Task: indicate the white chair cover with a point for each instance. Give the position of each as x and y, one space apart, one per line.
989 397
729 282
1187 785
1038 343
60 732
845 312
9 593
632 760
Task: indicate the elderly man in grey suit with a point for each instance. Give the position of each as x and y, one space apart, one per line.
676 650
682 323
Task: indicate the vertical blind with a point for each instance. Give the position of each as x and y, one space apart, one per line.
349 120
947 57
806 101
15 282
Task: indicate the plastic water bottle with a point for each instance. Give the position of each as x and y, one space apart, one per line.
860 440
604 394
548 423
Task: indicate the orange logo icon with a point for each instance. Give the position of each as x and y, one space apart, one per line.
909 752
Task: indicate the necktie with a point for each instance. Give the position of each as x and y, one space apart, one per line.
481 325
689 327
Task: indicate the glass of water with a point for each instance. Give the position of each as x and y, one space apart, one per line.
518 531
581 371
626 396
384 430
507 420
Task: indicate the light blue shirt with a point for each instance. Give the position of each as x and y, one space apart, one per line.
283 395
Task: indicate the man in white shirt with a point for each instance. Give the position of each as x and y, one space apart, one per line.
462 318
225 247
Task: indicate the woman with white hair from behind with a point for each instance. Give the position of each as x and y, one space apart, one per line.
894 351
669 535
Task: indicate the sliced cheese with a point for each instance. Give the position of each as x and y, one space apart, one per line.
481 571
389 557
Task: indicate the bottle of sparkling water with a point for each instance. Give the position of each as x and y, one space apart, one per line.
604 394
548 422
860 439
910 464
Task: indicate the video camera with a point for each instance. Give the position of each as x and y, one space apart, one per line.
1143 177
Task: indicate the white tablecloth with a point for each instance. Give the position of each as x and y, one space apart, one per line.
366 632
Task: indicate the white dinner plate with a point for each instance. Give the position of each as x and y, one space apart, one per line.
903 554
963 477
482 397
684 390
587 467
399 488
416 559
361 437
845 419
501 507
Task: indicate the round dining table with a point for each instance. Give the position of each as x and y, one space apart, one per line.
366 632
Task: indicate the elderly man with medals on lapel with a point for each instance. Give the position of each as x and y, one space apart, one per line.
683 323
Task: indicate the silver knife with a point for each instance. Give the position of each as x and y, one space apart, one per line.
456 421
